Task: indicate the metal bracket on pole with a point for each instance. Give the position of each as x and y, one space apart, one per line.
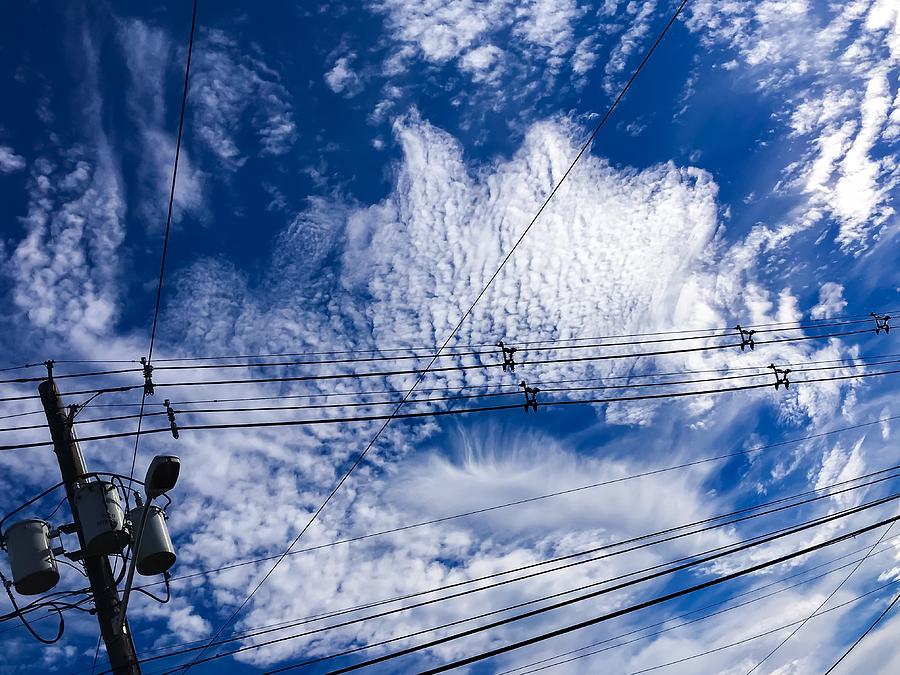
509 363
530 396
746 337
781 376
881 323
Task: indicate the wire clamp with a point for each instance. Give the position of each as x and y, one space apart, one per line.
509 362
781 376
171 415
881 323
530 396
148 377
746 337
49 363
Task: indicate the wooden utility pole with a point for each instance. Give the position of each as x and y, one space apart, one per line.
114 630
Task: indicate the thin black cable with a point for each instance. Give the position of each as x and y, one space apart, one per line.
867 631
545 664
543 384
756 449
443 413
822 604
337 613
670 567
771 631
751 591
705 332
165 249
517 391
612 545
611 615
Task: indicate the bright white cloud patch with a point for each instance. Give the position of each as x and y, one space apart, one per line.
342 78
834 66
831 301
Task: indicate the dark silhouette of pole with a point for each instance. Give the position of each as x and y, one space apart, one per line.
114 630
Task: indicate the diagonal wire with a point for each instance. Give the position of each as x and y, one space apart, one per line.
868 630
823 603
455 330
165 249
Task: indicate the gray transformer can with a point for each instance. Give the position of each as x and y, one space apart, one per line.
102 518
156 553
31 558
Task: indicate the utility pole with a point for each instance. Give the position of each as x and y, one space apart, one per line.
113 626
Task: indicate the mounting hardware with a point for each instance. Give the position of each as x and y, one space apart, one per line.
509 363
148 377
746 337
781 376
881 323
171 415
530 396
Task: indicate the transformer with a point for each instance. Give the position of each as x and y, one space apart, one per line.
31 558
155 554
102 518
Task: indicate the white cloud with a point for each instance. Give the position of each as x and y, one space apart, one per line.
10 162
342 79
227 84
832 68
831 301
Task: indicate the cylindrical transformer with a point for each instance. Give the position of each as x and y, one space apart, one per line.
102 518
31 558
155 553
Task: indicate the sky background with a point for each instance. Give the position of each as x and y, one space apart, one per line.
351 175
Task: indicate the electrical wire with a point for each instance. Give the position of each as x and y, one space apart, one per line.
443 413
544 664
822 604
751 591
763 634
458 397
604 617
428 351
666 568
867 631
165 248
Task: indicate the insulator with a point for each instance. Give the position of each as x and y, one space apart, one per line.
31 558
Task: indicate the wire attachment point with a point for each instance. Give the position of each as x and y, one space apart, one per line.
746 337
171 415
148 377
49 363
881 323
509 363
781 376
530 396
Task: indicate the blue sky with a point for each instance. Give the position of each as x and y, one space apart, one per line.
351 175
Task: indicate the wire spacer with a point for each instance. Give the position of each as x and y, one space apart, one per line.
881 323
509 363
148 377
530 396
171 415
746 337
781 376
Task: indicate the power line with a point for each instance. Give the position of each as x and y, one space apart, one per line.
756 589
822 604
429 351
443 413
764 634
867 631
517 391
544 664
669 568
165 248
605 617
754 450
568 557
